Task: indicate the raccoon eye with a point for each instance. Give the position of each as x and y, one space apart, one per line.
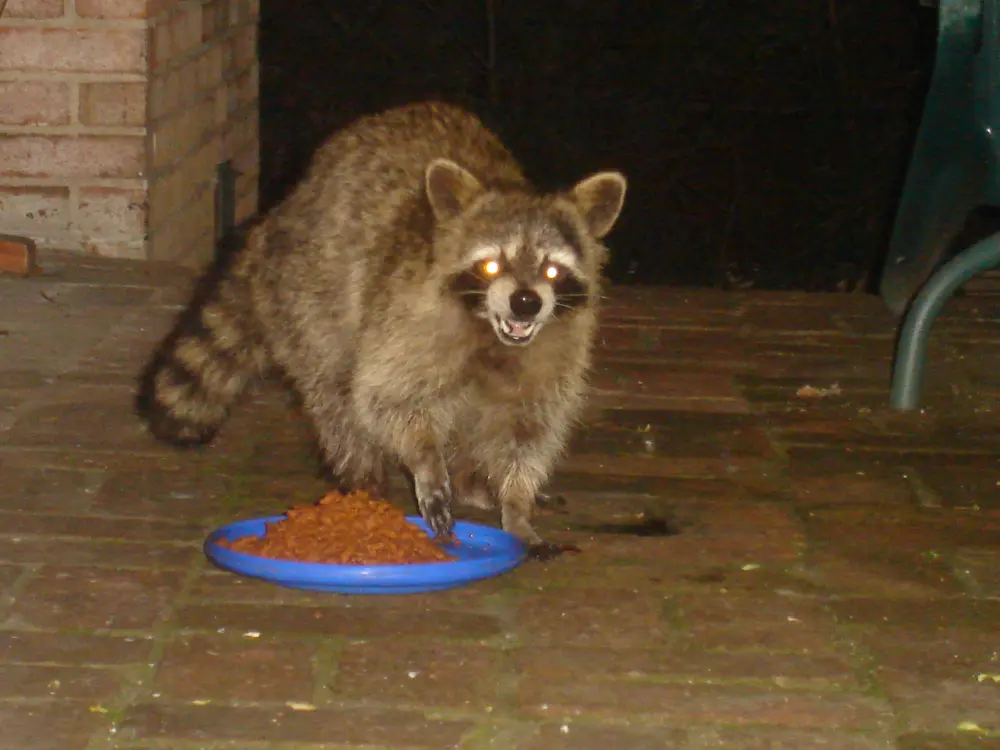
490 267
552 272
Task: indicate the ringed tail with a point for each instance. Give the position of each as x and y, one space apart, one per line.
202 367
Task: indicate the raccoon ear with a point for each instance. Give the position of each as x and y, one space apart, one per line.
450 189
600 198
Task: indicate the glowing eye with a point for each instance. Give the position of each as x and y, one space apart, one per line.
551 272
491 268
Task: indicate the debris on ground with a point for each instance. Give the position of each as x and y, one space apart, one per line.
809 391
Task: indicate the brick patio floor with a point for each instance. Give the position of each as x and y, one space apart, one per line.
831 579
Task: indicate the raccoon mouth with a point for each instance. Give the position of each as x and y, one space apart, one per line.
515 332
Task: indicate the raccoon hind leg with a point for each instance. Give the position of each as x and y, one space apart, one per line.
469 486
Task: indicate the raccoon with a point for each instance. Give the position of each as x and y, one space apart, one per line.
431 309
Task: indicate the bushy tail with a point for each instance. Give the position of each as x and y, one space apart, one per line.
213 353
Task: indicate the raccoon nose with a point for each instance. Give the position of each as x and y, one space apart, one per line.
525 303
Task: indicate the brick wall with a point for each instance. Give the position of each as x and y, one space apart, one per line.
114 115
202 111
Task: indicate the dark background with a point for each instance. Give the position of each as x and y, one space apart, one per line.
765 142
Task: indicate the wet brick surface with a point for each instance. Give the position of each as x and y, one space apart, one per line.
826 574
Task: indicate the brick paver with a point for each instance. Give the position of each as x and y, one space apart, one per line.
760 568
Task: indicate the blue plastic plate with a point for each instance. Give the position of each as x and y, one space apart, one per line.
482 552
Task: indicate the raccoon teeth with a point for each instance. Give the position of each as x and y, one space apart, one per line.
515 329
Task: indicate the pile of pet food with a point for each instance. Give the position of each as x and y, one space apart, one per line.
352 529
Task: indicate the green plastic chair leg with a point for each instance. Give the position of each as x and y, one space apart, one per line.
931 214
912 349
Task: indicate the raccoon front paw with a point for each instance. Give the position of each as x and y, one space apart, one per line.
516 523
434 502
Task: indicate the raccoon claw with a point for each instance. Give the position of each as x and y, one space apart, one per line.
435 509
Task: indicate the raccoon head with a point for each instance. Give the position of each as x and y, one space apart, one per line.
518 260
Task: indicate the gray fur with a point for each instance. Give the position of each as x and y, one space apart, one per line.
347 288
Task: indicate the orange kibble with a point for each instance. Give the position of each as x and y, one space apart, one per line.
352 529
